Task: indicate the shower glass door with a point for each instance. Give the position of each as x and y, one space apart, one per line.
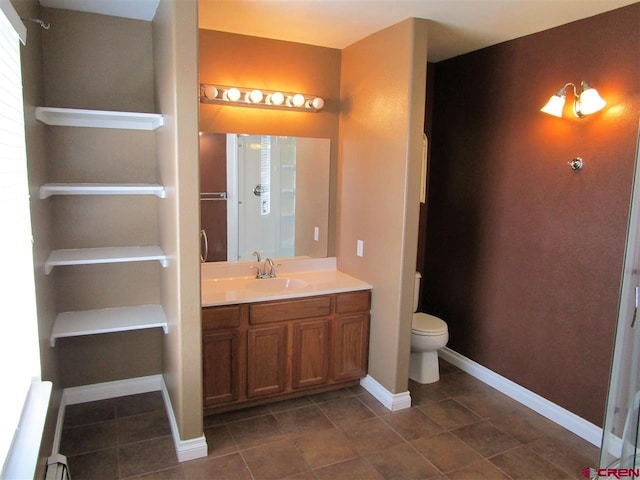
622 418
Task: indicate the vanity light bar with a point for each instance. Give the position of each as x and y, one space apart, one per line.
253 97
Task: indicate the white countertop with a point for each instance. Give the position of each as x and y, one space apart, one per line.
246 289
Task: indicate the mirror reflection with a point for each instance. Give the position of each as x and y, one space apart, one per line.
263 192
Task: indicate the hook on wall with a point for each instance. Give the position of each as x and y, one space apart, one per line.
46 26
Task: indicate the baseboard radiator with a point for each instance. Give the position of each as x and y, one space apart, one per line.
57 468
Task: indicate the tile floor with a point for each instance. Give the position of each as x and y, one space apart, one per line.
457 429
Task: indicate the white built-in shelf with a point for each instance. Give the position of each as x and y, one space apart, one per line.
74 117
101 189
88 256
107 320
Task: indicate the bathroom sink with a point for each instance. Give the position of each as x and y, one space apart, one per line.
274 285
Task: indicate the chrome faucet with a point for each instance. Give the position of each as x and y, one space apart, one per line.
261 268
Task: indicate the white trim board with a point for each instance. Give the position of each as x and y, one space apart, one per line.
572 422
391 401
185 449
189 449
22 459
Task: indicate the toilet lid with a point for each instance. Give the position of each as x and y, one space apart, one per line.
425 324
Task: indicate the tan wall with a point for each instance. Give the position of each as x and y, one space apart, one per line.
33 91
101 62
175 37
381 124
312 207
97 62
240 60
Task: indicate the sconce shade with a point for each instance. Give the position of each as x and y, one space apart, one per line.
555 105
589 101
252 97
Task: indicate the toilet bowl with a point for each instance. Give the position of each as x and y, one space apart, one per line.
428 335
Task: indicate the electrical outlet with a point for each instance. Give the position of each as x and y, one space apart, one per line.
360 248
316 233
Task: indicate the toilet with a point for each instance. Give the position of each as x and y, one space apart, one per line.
428 335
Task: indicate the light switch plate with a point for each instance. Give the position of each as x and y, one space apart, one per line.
316 233
360 248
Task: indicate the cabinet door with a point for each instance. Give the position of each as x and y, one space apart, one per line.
220 367
266 360
351 346
310 360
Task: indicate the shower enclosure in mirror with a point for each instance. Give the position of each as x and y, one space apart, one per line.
263 192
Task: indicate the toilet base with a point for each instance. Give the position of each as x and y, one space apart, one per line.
424 368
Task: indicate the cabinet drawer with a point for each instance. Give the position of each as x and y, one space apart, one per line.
267 312
220 317
354 302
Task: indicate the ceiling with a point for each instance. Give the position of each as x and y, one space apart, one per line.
457 26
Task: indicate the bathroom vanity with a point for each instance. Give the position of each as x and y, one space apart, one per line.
268 339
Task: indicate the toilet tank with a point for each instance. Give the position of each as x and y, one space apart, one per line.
416 291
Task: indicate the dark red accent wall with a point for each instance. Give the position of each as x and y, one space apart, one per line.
213 179
524 256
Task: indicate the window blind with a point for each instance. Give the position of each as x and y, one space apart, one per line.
19 351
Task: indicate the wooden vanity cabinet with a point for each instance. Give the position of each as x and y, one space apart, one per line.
269 350
221 355
220 358
351 345
267 360
311 355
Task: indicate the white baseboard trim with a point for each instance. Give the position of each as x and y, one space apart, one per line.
185 449
391 401
57 435
118 388
572 422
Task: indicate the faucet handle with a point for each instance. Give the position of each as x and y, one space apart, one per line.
272 268
257 255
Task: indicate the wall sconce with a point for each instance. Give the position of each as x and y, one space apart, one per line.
588 101
253 97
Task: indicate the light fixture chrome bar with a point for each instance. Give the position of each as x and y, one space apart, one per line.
253 97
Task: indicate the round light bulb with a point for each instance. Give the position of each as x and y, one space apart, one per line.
277 98
297 100
255 96
210 92
317 103
233 94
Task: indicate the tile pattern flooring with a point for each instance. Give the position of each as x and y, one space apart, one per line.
457 429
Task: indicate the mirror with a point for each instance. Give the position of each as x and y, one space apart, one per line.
263 192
